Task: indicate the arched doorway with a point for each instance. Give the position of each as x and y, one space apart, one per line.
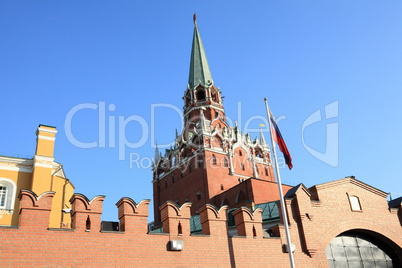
360 249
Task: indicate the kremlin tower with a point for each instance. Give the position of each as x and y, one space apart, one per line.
211 161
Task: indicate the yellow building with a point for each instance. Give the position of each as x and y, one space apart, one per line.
39 174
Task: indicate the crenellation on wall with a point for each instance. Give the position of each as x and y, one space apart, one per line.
175 219
35 210
133 246
213 220
86 214
133 217
248 223
209 162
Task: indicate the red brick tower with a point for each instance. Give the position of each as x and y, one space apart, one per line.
211 162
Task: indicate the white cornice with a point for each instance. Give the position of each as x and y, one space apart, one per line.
16 167
46 138
43 161
42 157
45 165
47 130
16 164
15 160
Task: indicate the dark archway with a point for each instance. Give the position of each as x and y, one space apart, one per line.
361 248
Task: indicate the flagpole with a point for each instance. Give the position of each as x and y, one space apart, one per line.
281 199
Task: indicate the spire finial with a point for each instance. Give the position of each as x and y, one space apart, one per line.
199 69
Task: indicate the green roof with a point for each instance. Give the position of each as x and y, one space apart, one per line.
199 68
156 231
195 224
270 212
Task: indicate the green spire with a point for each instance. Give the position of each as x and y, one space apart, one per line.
199 69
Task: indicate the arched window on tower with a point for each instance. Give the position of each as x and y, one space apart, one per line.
200 95
258 153
213 159
266 172
225 162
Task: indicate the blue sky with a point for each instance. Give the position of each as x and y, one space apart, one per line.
128 56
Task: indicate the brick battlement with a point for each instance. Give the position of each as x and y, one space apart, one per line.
311 227
133 217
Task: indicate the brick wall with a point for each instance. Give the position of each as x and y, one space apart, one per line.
316 216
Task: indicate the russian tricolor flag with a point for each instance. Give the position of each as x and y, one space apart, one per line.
276 135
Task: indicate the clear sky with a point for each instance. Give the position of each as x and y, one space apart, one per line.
112 73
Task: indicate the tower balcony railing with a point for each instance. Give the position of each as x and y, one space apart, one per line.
202 103
260 160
